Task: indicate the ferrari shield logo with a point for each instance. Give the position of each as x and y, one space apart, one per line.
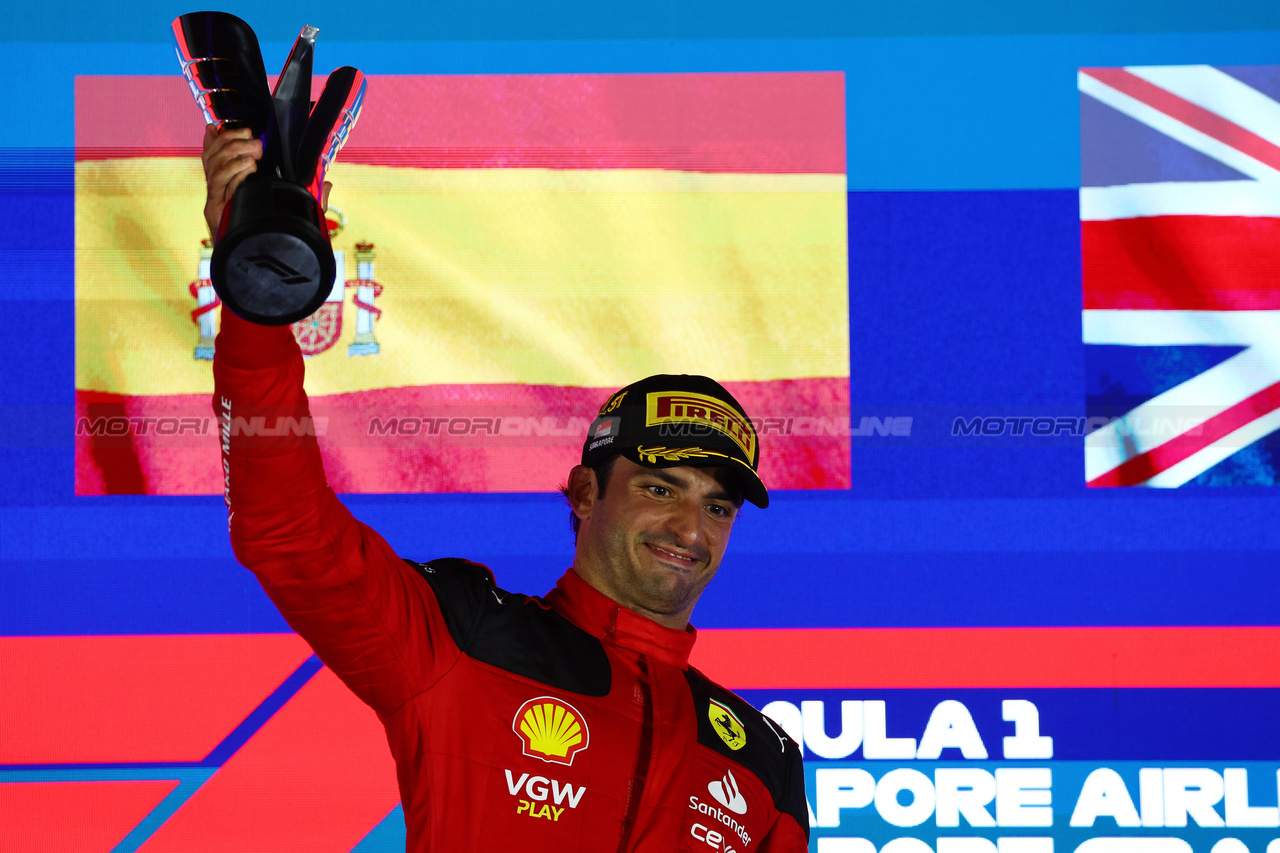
727 725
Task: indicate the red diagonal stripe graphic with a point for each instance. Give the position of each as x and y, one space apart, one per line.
1143 467
141 698
1193 116
74 817
314 779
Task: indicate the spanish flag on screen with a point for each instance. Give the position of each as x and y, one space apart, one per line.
513 249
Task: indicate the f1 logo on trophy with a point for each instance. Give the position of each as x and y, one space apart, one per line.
272 261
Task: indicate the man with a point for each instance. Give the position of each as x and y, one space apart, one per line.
567 722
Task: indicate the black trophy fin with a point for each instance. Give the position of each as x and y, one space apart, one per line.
331 120
223 64
292 102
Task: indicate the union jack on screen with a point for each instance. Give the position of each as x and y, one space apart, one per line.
1180 235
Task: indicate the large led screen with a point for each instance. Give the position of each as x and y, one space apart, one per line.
1001 303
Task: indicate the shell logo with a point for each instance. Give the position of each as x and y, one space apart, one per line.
551 729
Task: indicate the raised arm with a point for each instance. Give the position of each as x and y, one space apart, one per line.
369 616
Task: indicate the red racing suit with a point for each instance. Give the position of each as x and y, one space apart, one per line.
558 723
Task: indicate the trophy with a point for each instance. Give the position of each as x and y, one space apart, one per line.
272 262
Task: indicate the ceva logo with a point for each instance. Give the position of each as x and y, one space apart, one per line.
551 729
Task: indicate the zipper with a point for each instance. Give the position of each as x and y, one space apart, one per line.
636 789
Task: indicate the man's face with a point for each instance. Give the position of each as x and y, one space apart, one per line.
656 538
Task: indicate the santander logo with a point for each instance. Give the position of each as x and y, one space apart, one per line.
727 793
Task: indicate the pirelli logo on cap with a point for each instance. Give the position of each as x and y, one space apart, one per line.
686 407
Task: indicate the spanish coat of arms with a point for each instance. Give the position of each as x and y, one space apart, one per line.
321 330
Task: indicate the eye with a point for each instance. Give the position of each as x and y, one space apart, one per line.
658 491
720 511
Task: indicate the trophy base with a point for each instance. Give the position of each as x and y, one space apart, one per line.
204 349
272 263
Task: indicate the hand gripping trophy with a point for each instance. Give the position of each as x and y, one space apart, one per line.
272 262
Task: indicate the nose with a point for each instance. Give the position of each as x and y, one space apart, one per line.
685 523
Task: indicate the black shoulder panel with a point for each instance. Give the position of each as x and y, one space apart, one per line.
516 633
762 746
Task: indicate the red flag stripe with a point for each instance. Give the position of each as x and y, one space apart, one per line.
731 122
446 438
1143 467
1193 116
888 658
1188 263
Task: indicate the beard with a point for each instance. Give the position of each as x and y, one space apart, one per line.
646 582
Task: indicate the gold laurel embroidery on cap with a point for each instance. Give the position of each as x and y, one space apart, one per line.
675 454
551 729
667 454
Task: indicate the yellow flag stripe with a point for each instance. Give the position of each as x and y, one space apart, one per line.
584 278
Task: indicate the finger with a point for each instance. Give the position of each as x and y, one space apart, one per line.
239 177
226 169
223 182
324 194
226 132
220 146
229 152
229 142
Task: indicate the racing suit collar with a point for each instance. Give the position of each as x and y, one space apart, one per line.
602 617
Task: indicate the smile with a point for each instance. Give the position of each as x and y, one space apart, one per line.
672 556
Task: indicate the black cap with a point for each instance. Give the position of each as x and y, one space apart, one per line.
664 421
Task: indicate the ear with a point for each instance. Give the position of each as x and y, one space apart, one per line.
581 491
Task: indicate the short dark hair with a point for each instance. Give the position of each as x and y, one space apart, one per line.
603 470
